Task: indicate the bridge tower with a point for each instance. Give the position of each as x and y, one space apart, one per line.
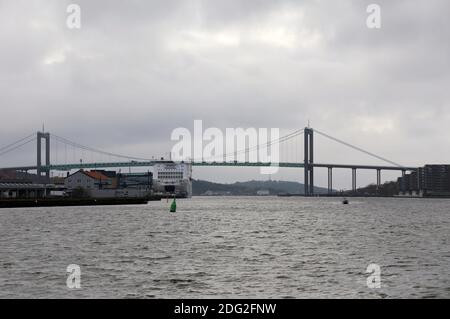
43 173
309 160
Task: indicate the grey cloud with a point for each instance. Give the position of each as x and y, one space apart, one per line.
138 69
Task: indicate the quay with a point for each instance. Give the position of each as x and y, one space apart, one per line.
61 202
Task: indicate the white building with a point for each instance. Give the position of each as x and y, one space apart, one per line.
173 178
263 192
87 180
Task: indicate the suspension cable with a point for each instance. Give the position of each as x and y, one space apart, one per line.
267 144
16 142
357 148
16 147
87 148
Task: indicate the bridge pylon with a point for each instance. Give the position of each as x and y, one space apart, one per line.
308 161
43 174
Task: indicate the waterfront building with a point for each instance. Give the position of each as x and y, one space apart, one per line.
108 184
88 180
263 192
27 190
427 181
135 180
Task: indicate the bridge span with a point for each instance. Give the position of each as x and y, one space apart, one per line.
308 164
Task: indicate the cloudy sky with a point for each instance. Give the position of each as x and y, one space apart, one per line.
136 70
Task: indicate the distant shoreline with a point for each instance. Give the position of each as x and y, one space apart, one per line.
326 195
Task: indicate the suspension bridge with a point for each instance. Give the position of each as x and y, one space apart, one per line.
65 155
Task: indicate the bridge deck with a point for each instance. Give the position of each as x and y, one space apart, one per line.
67 167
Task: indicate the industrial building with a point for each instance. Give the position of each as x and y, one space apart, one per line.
27 190
427 181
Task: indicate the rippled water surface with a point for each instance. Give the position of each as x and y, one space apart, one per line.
229 247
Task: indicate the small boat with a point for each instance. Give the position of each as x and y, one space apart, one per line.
173 206
345 201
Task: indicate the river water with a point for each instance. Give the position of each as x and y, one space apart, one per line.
229 247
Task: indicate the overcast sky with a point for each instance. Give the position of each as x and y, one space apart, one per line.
138 69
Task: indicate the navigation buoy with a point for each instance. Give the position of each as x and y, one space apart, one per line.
173 206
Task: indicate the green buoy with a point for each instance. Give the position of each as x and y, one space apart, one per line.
173 206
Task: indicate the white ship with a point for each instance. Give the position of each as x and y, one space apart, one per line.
173 179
